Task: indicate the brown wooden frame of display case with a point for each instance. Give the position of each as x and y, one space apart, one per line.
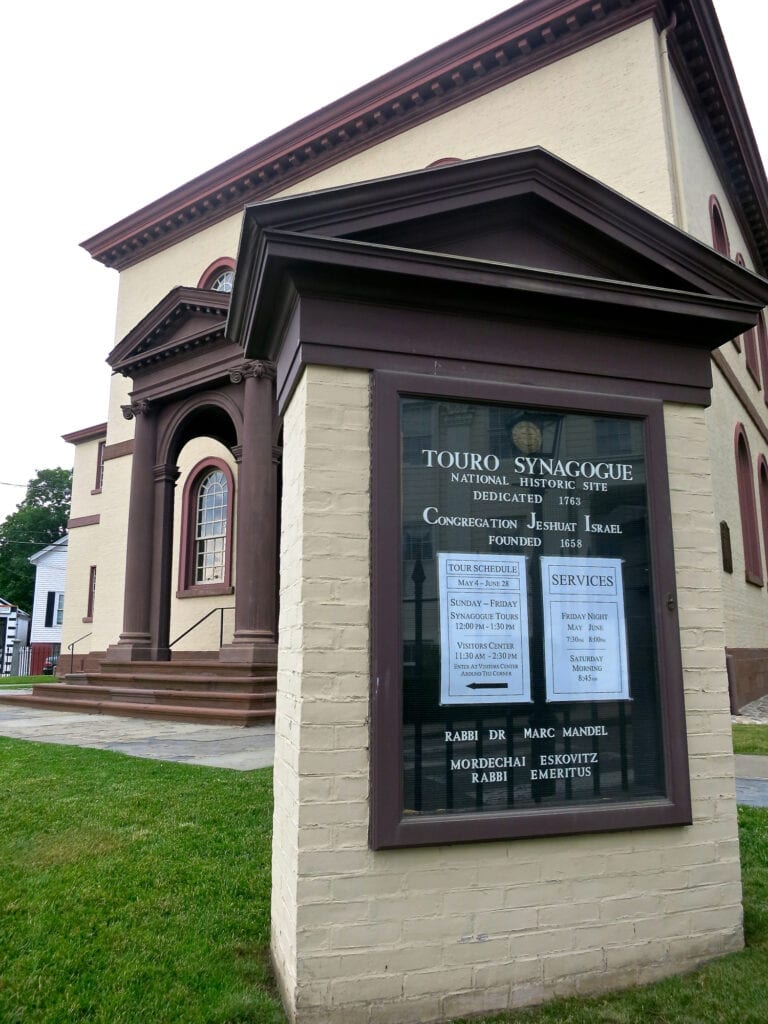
388 826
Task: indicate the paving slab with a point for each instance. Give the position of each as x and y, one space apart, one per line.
219 746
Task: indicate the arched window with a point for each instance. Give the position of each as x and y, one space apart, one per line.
753 567
219 276
762 483
211 527
720 241
206 535
719 234
762 346
749 340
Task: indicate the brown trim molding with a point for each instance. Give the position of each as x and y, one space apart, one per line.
86 434
78 521
738 389
118 450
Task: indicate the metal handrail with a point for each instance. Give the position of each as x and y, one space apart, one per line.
228 608
71 649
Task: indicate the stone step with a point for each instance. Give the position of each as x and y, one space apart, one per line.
135 695
153 680
132 709
197 666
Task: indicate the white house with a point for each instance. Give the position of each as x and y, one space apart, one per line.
48 604
14 630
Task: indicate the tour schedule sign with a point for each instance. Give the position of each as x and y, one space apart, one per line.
483 629
529 673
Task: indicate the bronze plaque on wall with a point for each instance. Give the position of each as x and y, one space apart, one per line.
529 681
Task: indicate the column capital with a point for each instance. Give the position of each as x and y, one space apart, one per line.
259 369
140 408
166 472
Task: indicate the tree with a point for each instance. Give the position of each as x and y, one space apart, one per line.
39 520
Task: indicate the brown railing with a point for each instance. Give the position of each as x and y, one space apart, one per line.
213 611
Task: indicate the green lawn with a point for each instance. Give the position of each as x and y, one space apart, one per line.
17 682
132 891
137 892
750 739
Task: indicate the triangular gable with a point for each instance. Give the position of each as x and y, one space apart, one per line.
40 556
525 223
187 318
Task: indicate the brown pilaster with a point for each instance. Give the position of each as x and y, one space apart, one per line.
255 637
165 477
135 643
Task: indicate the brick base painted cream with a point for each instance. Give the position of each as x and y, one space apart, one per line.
434 933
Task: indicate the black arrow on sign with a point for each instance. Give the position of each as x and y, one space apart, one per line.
487 686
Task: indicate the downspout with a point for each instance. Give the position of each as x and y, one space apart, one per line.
678 196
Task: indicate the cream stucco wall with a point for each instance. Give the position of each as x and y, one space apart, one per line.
745 605
361 935
600 109
83 545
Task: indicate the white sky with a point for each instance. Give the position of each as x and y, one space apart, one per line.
108 107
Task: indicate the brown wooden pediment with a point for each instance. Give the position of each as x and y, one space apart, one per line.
187 320
406 269
526 211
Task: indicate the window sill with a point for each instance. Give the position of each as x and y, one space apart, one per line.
88 618
206 590
96 490
754 579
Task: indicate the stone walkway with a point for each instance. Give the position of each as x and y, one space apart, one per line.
222 746
219 746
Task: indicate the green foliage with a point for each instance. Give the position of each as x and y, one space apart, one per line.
750 739
39 520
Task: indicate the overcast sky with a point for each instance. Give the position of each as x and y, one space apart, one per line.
108 107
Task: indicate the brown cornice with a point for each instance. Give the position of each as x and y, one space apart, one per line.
509 46
162 334
513 44
96 433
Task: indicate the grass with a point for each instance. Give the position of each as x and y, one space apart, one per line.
17 682
750 739
132 891
137 891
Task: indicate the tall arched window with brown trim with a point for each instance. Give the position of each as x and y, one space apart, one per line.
753 566
717 221
205 563
762 484
720 240
762 347
750 341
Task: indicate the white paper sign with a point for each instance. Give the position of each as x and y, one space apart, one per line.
483 629
585 641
